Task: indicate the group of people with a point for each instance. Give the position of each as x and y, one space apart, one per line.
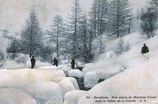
144 50
53 61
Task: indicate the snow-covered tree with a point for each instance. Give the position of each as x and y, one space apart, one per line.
119 48
46 53
85 40
149 21
56 34
98 16
119 17
31 36
15 46
90 38
98 19
74 32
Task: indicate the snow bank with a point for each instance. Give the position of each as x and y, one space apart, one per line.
12 65
48 68
90 79
104 68
138 73
140 78
74 82
140 81
42 85
73 96
65 68
76 73
49 92
110 63
15 96
68 84
15 64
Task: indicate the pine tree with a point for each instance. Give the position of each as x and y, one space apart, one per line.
99 20
149 21
93 18
15 46
119 16
90 41
119 48
74 32
98 16
129 23
85 52
31 36
56 34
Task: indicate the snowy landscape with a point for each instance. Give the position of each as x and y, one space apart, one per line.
79 56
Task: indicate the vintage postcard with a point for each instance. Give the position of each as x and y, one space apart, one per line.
78 51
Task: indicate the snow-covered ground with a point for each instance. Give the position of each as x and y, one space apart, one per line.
128 74
136 73
76 73
15 96
90 79
45 85
109 63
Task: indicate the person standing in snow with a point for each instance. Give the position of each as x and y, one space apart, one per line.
33 61
55 62
145 49
73 64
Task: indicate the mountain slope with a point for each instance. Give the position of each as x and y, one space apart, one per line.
138 79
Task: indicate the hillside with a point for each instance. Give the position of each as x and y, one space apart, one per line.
138 79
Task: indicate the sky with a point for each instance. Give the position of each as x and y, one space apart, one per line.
13 13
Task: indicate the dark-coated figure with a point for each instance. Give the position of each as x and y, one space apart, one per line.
145 49
33 61
73 64
55 62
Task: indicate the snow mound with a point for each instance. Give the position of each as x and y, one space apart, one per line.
110 54
46 91
68 84
73 96
15 96
47 68
76 73
132 82
139 78
12 65
41 85
105 67
135 74
90 79
111 63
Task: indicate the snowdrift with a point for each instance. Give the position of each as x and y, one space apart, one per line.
45 85
136 73
15 96
140 81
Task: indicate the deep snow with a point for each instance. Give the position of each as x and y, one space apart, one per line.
136 74
127 74
45 85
